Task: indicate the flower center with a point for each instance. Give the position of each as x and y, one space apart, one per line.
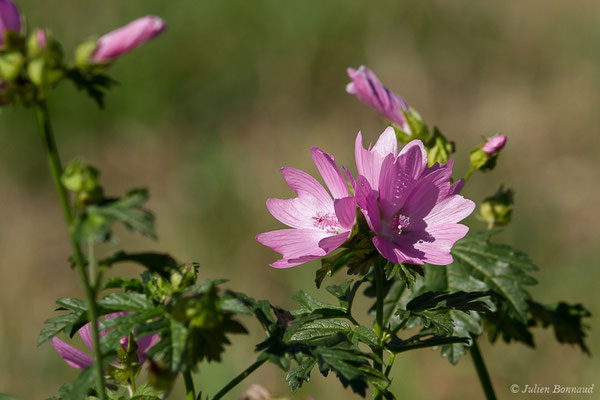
325 221
399 223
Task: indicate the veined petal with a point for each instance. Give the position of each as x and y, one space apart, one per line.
294 244
331 243
395 185
396 253
413 158
86 335
349 176
345 211
330 172
74 357
143 344
456 187
368 162
426 193
366 198
305 185
451 210
442 238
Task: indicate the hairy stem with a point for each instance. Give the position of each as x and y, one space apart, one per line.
482 372
233 383
379 328
189 386
45 128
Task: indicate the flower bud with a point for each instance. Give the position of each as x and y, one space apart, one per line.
497 210
494 145
83 179
126 38
438 148
11 64
368 89
10 19
37 43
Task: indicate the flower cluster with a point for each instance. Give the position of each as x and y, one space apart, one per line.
412 210
32 63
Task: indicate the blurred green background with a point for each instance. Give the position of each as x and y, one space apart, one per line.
206 114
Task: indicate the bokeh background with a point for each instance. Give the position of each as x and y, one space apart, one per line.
205 115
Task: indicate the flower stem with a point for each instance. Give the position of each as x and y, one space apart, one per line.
484 378
469 173
189 386
45 128
233 383
379 328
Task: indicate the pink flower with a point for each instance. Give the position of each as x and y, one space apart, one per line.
127 38
78 359
321 221
370 91
494 145
412 209
10 19
369 161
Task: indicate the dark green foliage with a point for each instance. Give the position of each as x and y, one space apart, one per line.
94 85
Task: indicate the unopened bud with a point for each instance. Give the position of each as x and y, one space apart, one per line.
497 210
494 145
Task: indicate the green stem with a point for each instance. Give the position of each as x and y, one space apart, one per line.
469 173
482 372
43 119
189 386
390 364
379 328
233 383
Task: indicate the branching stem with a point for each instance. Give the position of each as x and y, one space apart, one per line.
234 382
45 128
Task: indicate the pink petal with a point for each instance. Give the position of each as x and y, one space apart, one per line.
345 211
330 172
413 158
294 244
349 176
305 185
426 193
456 187
331 243
451 210
144 343
74 357
368 162
128 37
366 198
441 239
86 334
396 253
395 185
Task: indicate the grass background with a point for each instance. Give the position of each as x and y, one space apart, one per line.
206 114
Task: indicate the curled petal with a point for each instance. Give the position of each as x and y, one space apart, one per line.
345 211
330 172
368 162
413 158
74 357
366 198
296 246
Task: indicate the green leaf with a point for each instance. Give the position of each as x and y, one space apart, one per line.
128 211
122 326
300 373
498 267
160 263
318 329
310 304
126 302
127 284
566 319
93 83
366 335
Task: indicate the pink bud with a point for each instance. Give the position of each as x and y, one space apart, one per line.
494 145
40 36
10 19
370 91
128 37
